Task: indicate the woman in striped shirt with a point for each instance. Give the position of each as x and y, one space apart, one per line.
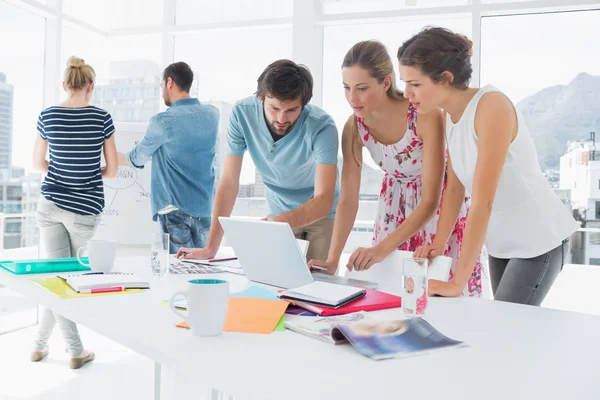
74 133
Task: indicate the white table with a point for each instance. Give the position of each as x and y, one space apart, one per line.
576 289
516 352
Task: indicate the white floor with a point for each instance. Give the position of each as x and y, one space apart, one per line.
117 372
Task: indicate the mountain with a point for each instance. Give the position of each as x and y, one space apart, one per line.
561 113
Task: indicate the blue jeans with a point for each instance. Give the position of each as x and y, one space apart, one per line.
184 230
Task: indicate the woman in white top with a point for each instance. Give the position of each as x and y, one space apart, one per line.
492 156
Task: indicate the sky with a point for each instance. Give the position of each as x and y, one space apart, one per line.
520 54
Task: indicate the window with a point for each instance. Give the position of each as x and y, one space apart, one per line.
548 71
21 83
93 49
597 215
21 90
123 66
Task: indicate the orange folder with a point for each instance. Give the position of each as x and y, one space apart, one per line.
251 315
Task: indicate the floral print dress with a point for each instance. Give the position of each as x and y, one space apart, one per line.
400 195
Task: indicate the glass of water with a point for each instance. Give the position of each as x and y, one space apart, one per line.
159 259
414 286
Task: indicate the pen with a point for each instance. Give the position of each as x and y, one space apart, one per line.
319 268
222 259
103 290
93 273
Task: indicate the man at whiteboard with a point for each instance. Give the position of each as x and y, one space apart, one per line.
294 147
181 142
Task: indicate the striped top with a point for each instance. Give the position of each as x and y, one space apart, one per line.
75 139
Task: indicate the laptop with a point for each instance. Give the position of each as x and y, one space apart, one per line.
270 254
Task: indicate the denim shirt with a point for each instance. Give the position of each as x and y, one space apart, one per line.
181 142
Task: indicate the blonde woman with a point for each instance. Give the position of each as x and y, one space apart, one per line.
74 134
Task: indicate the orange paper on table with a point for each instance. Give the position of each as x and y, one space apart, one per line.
250 315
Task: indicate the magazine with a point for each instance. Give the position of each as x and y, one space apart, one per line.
321 327
377 339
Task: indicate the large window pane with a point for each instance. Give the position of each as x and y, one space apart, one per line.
21 82
132 93
226 67
91 47
127 70
549 66
21 85
207 11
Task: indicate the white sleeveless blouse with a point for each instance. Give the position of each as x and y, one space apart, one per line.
527 219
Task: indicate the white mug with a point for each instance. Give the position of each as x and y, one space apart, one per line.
101 254
207 302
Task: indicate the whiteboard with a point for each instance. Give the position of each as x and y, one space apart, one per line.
127 215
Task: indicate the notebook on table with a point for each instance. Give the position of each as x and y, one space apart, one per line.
372 300
324 293
91 281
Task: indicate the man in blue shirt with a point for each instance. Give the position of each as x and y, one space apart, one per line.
294 147
181 142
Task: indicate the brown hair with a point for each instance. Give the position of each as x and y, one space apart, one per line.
372 56
78 74
181 74
435 50
286 80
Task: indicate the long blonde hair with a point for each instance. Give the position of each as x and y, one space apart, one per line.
78 74
372 56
